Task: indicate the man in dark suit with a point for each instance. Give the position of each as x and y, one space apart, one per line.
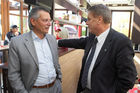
111 69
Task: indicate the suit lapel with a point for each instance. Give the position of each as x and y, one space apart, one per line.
31 48
50 42
103 50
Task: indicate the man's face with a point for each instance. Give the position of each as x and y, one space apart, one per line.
15 30
92 23
42 24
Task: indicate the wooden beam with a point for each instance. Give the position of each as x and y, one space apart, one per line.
17 0
4 17
68 5
2 20
130 22
16 14
21 16
8 8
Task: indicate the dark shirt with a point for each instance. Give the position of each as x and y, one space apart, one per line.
9 36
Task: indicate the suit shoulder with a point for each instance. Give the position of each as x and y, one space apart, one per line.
51 36
118 39
8 33
119 36
20 37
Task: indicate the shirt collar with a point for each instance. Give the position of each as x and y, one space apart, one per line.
35 37
103 35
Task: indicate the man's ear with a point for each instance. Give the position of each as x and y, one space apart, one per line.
100 18
32 21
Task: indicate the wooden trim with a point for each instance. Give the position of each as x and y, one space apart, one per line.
130 20
25 16
17 0
8 7
2 20
4 17
13 9
21 16
16 14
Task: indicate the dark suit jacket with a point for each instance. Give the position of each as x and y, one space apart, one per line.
114 70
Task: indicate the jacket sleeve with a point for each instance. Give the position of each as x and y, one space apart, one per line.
14 73
73 43
126 70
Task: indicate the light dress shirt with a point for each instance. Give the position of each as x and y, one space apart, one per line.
101 39
47 73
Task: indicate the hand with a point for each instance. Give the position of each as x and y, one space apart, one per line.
16 33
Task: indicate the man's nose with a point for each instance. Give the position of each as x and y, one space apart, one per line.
86 22
49 23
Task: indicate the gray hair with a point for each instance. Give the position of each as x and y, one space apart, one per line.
35 15
101 10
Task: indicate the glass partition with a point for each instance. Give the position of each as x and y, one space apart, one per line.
121 22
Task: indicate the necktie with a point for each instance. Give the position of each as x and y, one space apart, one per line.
87 64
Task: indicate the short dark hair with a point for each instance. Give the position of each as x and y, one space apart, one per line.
101 10
34 14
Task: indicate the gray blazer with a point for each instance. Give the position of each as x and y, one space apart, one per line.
23 66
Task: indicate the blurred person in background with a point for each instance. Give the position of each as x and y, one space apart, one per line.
64 32
13 32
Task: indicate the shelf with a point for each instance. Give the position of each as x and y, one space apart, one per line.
68 22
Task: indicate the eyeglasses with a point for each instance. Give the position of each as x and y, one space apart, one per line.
46 20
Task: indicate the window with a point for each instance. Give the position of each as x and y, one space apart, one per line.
14 13
121 22
25 18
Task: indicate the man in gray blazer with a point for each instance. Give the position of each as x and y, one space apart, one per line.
33 57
